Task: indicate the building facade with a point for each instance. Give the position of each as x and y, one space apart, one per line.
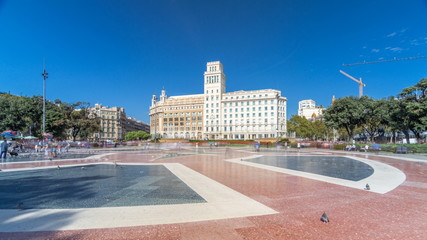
217 114
309 110
115 124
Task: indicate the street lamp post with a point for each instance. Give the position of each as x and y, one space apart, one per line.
45 75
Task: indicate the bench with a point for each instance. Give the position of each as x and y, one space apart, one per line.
401 149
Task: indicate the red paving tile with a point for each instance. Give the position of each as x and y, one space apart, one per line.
354 214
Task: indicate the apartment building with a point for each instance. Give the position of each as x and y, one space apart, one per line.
115 124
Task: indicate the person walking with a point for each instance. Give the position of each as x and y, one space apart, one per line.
4 146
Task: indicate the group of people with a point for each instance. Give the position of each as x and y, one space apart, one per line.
350 147
51 149
354 148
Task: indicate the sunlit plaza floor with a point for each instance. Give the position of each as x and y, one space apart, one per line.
215 193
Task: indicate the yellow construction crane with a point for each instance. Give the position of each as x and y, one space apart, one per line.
361 84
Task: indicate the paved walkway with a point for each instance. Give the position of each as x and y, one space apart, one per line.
293 203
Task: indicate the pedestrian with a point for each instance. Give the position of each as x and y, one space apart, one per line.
3 146
299 146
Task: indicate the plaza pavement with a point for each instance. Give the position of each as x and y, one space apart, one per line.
280 205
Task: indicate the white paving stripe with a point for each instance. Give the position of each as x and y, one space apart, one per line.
384 179
222 203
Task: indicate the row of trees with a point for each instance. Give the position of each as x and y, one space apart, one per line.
369 117
63 120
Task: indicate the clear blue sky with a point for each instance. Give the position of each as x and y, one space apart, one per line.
119 53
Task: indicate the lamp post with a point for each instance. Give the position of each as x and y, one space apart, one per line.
45 75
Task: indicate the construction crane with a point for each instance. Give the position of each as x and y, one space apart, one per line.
361 84
381 61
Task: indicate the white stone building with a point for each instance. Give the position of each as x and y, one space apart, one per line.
309 110
226 115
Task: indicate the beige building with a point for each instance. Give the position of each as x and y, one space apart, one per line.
309 110
115 124
216 114
177 116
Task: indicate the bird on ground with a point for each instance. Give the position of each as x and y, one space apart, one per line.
367 187
324 218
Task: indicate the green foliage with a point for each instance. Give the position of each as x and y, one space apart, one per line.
24 114
304 128
373 118
81 122
412 148
413 108
137 135
346 113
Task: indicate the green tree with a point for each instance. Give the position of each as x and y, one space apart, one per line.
375 114
346 113
412 109
301 126
320 130
13 112
137 135
82 123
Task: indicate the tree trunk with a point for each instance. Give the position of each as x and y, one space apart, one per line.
394 137
417 135
406 136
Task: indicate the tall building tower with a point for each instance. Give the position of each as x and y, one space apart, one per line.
214 88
